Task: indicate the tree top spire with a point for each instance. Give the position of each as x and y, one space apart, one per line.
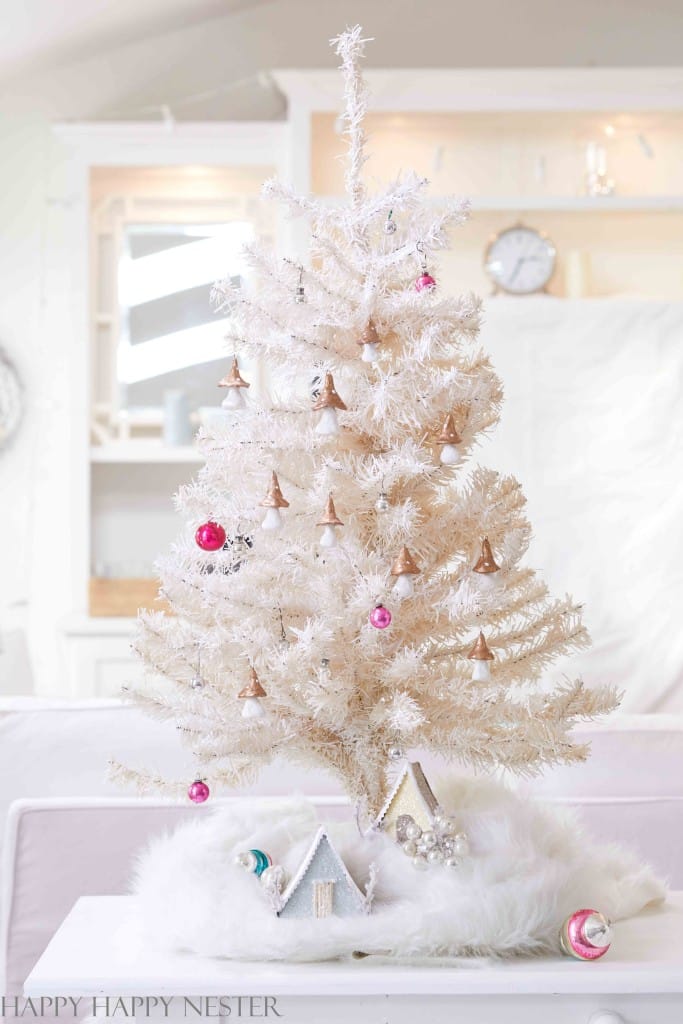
350 46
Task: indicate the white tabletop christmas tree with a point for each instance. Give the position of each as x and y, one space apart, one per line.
349 585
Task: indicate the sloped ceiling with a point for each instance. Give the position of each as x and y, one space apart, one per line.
124 58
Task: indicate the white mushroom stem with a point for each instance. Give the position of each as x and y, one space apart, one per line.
370 352
450 455
327 424
481 672
234 399
272 520
329 537
253 708
404 585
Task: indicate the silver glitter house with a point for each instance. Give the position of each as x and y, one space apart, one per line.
411 795
323 887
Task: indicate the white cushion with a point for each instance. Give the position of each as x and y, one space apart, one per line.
631 756
60 850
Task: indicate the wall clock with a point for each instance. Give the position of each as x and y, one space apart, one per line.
520 260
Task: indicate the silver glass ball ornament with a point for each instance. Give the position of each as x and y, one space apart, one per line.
246 860
395 754
196 683
413 830
461 845
274 877
382 503
439 817
428 839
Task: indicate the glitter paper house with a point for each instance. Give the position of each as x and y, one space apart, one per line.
411 795
323 887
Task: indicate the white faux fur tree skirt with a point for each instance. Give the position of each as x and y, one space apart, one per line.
529 867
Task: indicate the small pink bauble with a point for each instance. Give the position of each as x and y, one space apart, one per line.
585 935
425 283
198 792
210 536
380 617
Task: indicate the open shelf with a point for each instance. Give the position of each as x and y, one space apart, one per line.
144 451
570 204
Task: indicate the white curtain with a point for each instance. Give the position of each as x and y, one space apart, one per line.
592 427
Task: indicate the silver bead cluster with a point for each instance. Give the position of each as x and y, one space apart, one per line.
442 844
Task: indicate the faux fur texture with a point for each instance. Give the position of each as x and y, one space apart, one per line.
530 866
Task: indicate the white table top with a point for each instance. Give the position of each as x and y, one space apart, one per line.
90 955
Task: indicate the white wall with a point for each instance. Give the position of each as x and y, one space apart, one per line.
165 67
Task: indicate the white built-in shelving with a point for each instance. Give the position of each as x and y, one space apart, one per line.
512 139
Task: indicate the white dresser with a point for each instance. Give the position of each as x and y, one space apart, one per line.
94 957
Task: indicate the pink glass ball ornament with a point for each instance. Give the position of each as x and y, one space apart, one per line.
425 283
198 792
210 536
586 935
380 617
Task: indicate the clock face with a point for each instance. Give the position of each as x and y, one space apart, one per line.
520 260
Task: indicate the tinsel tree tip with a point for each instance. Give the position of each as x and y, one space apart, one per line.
349 44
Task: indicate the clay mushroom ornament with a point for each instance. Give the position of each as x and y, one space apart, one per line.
329 520
369 342
482 658
235 384
486 566
327 404
273 502
251 694
449 439
404 568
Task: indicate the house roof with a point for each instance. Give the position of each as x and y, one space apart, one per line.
412 769
296 880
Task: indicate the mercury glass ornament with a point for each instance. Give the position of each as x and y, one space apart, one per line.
380 617
395 754
586 935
